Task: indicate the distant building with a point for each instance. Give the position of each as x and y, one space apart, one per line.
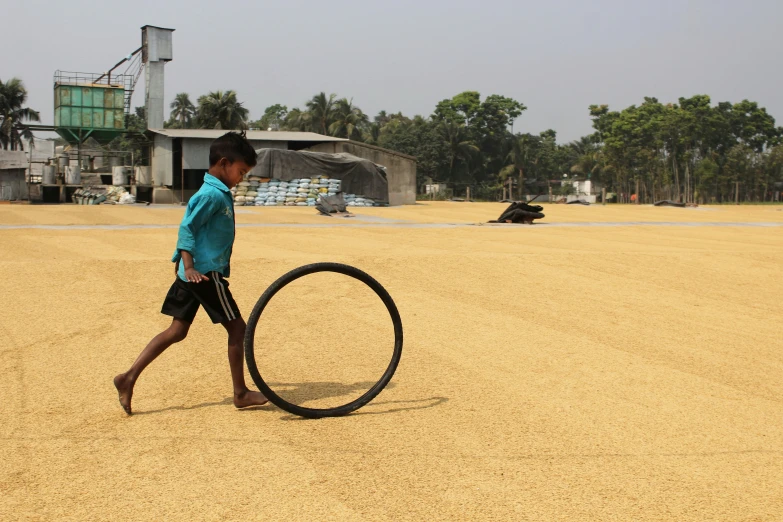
180 157
13 165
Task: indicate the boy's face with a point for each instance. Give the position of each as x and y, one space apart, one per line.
233 173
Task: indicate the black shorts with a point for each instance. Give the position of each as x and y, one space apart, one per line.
184 299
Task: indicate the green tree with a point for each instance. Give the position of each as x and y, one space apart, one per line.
461 108
523 154
349 121
322 111
13 114
298 120
183 110
691 151
418 137
535 158
274 118
752 125
486 125
461 149
583 156
382 119
221 110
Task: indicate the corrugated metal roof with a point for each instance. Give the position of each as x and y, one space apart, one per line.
251 135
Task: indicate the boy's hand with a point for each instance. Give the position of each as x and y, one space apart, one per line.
194 276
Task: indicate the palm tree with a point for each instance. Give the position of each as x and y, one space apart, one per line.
322 111
373 134
461 148
221 110
13 96
349 120
521 157
298 120
382 118
585 154
182 109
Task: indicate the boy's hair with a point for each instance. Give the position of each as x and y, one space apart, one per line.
233 146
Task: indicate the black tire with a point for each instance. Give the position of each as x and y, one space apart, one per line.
255 315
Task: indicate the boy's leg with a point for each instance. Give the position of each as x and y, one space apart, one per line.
243 397
124 382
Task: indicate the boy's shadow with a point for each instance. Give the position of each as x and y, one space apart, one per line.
224 402
297 393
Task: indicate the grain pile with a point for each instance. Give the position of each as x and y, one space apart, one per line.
638 375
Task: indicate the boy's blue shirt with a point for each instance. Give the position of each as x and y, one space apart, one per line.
207 231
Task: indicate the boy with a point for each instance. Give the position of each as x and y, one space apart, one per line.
202 257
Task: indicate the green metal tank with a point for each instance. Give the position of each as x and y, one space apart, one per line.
89 110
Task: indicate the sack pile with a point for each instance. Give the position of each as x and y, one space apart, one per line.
106 196
119 195
304 192
352 200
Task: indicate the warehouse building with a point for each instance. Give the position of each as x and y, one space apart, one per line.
180 157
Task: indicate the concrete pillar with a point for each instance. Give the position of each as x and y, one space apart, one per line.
154 102
157 49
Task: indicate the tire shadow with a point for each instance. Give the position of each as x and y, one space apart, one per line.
412 404
297 393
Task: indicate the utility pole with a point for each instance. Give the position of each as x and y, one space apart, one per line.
736 194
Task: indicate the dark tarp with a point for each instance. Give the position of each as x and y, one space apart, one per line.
330 204
520 212
359 176
669 203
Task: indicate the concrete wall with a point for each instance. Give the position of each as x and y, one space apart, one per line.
196 151
12 185
162 161
12 159
12 170
400 169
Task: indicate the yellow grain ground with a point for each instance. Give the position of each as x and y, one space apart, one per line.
549 373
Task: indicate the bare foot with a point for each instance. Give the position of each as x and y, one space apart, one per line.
249 398
125 391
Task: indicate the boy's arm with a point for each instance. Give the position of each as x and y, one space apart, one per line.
191 274
198 214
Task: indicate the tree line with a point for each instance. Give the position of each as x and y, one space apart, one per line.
690 151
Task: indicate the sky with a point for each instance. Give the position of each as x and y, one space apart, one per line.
557 57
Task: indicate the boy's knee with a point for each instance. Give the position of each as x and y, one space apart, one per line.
236 328
177 334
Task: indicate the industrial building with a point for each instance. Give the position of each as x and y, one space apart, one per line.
180 157
94 107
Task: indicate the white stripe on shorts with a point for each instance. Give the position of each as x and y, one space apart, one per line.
221 292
